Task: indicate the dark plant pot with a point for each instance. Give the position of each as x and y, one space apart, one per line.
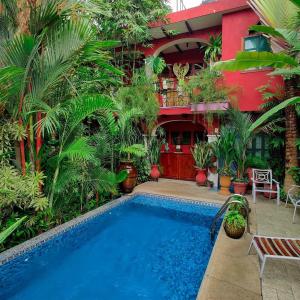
225 182
233 232
270 195
201 177
213 159
130 182
154 174
240 188
249 175
213 169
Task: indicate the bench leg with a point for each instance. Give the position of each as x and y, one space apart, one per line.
251 244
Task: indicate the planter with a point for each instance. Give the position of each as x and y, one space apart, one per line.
240 187
249 175
130 182
225 182
213 159
233 232
154 174
213 106
270 195
213 169
201 177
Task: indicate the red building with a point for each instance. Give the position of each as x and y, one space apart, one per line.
180 119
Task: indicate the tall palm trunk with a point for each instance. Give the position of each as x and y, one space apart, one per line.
290 134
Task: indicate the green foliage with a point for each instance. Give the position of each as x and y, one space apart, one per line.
224 149
241 122
295 172
202 153
20 191
154 147
209 84
140 94
213 50
256 162
156 64
246 60
235 219
7 232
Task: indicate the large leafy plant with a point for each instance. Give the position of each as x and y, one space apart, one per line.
202 153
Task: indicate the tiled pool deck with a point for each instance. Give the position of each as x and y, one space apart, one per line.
231 273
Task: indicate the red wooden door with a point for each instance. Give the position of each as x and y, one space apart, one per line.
177 166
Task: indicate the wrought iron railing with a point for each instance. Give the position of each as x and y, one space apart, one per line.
170 94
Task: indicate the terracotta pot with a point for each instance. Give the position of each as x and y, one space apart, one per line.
225 182
201 177
240 188
128 184
270 195
233 232
154 174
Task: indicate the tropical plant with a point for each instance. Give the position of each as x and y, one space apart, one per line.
280 21
202 153
224 149
207 86
23 192
235 219
154 148
140 95
257 162
213 50
156 64
8 231
295 173
241 122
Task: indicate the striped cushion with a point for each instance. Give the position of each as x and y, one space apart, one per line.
278 246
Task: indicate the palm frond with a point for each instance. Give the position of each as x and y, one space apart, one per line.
81 107
246 60
80 149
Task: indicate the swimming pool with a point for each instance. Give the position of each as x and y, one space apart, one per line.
147 247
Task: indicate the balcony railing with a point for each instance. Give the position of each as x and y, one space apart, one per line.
170 94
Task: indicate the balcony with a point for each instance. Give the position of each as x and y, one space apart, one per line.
170 94
172 97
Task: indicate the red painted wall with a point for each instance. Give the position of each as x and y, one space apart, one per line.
235 26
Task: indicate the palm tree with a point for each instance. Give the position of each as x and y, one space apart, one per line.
43 43
281 22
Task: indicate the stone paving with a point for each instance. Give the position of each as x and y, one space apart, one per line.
231 273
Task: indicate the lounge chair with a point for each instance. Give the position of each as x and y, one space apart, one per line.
294 196
275 247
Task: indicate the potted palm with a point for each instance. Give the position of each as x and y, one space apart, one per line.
154 148
241 122
202 155
234 224
225 152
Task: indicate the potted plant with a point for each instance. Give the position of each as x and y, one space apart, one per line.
126 163
154 149
202 155
234 224
241 122
224 150
241 205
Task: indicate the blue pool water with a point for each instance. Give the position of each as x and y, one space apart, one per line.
148 248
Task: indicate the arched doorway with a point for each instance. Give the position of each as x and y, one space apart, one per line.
176 159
